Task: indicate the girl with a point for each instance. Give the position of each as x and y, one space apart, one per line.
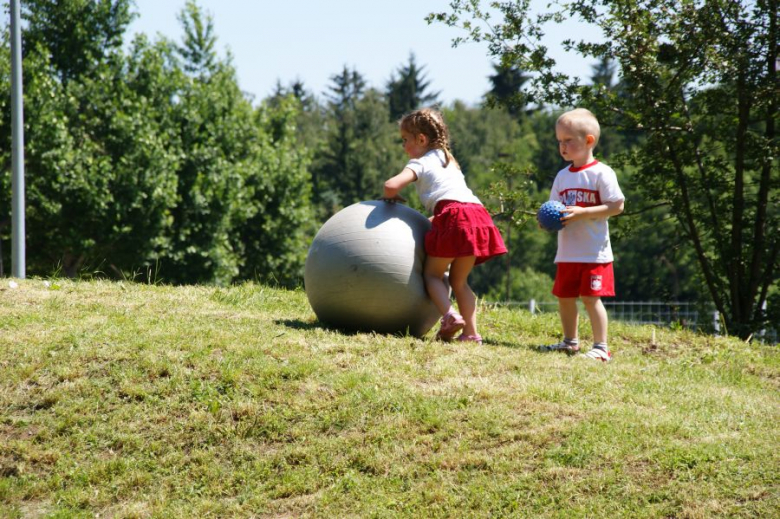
462 234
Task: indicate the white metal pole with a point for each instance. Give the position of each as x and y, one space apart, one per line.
716 322
17 148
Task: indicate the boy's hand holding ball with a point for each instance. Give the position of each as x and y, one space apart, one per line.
550 214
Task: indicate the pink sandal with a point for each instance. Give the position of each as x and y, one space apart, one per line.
471 338
451 324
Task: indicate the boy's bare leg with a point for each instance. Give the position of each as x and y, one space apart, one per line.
567 307
598 318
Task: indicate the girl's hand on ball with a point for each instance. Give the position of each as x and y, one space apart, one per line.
396 198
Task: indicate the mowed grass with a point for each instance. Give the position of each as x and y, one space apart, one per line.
126 400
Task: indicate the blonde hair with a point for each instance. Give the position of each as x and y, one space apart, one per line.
429 122
582 121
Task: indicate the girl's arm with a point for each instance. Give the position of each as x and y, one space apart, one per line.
394 186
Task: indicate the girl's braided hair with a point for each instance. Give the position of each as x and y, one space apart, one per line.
429 122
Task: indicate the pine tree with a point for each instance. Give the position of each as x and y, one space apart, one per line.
408 90
198 47
507 89
360 144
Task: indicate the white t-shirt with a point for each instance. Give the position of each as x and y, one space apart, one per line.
585 241
435 182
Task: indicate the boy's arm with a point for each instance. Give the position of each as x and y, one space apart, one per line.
605 210
394 186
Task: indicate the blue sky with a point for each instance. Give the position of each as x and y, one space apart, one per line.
312 40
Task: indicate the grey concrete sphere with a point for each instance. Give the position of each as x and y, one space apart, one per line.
364 270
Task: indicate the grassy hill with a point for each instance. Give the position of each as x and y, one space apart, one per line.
127 400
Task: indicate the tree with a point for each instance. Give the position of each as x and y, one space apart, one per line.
278 225
309 123
296 89
333 165
507 89
198 47
222 152
408 90
614 138
360 144
99 176
78 34
703 79
604 73
114 179
136 163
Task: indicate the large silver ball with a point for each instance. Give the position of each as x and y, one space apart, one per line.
364 270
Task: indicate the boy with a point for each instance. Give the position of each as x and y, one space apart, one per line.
590 192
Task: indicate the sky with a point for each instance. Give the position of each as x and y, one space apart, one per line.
311 40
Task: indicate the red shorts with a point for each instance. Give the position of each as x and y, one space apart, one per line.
460 229
584 279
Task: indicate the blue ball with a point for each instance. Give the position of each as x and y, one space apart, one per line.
549 215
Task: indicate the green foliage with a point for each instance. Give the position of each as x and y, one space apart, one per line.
99 179
547 158
215 126
140 162
197 49
523 284
275 237
699 82
483 136
360 146
76 34
311 119
651 256
243 207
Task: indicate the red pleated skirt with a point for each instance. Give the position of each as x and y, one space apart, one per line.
462 229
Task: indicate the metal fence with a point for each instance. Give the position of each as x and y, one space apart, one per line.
693 316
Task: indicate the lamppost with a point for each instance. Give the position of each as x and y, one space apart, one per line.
17 148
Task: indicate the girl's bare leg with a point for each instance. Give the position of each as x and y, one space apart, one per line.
467 302
434 271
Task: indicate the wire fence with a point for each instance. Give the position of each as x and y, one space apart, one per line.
693 316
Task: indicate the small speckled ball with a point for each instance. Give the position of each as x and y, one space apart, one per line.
364 270
549 215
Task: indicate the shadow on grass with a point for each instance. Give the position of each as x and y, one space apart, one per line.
504 344
298 324
530 346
